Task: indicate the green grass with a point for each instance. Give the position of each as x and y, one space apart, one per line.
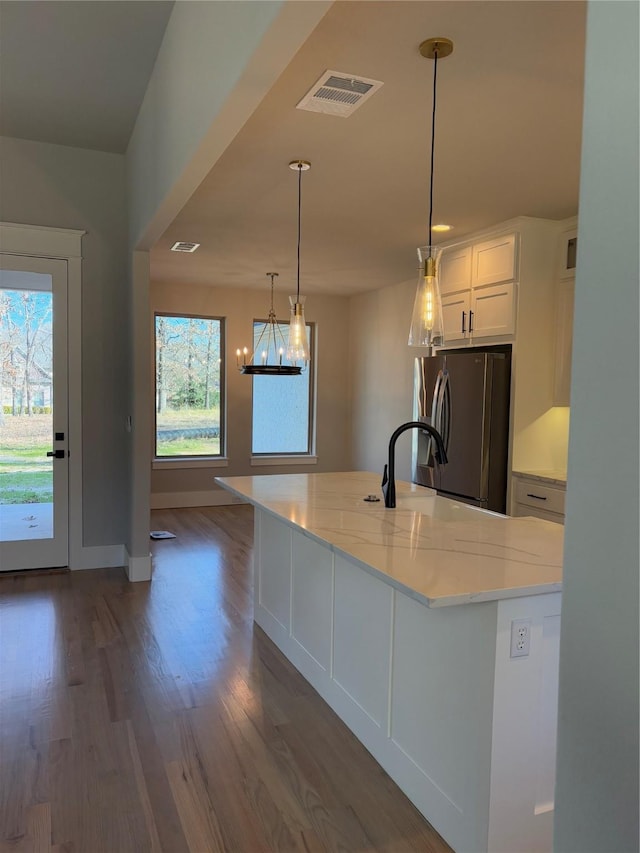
188 418
25 487
176 418
30 452
189 447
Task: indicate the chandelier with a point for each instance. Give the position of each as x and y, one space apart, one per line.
271 354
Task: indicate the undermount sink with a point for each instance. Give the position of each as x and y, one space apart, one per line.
444 509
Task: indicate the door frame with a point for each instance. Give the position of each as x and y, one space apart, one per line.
65 244
48 548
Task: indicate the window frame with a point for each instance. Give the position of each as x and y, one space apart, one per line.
288 456
192 461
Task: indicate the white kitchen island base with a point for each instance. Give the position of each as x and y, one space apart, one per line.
465 730
402 620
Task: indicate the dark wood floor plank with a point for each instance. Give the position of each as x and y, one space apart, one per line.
157 718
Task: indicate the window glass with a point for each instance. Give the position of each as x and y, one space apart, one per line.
282 407
189 386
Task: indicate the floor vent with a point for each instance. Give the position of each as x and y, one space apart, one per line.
181 246
338 94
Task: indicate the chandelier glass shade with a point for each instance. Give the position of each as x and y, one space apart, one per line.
426 321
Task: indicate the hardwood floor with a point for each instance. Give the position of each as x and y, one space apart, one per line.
157 717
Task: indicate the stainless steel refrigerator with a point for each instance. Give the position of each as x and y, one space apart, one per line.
465 396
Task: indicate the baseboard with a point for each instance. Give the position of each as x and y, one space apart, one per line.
181 500
98 557
138 568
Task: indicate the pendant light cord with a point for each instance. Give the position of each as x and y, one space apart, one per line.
433 140
299 221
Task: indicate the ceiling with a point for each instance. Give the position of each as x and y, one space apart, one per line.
507 142
75 73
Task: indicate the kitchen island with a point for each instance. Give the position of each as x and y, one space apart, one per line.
406 620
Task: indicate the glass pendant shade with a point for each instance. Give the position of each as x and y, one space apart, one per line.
298 348
426 320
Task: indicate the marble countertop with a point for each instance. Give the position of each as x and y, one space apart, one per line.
434 549
554 477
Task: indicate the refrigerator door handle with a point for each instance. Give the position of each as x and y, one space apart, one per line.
436 399
444 416
435 411
443 423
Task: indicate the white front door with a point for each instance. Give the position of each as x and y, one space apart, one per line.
34 466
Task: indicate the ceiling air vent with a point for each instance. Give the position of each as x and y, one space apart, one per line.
181 246
338 94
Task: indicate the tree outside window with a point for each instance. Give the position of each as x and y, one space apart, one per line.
189 385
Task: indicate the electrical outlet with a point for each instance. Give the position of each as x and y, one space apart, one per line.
520 637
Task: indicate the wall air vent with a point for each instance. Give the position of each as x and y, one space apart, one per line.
181 246
338 94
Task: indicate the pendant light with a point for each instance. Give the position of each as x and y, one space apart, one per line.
268 357
426 320
298 348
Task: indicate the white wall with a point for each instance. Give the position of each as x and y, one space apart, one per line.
240 307
597 766
64 187
381 366
216 62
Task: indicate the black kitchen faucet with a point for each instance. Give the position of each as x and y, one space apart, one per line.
388 477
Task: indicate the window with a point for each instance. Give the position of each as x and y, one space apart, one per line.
282 408
189 386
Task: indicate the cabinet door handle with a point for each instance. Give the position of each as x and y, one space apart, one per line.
471 321
464 315
537 497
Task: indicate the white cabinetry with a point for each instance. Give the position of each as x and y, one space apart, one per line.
564 316
494 261
477 283
455 269
533 496
467 732
493 311
362 626
568 253
564 343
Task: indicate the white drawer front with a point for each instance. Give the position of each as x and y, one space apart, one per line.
536 512
548 498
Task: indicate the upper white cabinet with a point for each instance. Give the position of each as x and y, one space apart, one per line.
568 255
478 288
455 269
564 297
494 261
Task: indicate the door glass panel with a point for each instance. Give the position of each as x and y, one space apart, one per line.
26 405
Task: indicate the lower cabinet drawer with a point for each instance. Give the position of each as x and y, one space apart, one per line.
533 494
536 512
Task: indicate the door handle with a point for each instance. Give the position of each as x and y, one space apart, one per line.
464 314
471 321
57 454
